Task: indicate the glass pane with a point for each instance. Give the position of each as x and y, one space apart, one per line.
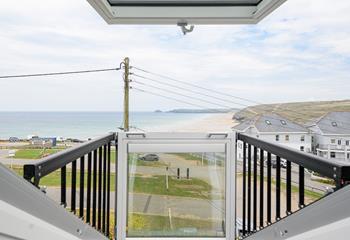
176 194
186 2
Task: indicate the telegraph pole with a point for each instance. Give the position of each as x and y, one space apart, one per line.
126 94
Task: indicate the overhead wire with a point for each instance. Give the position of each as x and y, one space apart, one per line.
170 98
225 94
59 73
189 90
183 95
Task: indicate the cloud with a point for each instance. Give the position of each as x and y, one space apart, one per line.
300 52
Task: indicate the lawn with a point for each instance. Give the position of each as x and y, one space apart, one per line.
156 184
143 225
198 159
35 153
54 178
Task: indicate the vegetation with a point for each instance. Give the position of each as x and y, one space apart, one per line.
141 224
300 112
198 159
35 153
156 184
54 178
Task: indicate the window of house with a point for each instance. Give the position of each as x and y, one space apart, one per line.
339 142
348 155
302 138
332 154
287 138
302 148
332 140
347 143
277 138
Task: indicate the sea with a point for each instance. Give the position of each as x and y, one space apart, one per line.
84 125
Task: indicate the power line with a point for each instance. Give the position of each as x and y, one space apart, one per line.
188 90
169 98
60 73
230 95
194 85
183 95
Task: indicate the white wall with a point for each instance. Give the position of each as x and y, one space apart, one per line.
294 140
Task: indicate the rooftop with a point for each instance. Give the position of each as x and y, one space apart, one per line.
333 123
271 123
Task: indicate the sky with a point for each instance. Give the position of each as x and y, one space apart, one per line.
301 52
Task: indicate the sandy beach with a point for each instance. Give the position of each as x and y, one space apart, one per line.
221 122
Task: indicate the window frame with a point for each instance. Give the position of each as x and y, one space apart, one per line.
199 14
124 141
286 138
332 153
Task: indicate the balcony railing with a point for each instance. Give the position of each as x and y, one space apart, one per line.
93 175
259 209
267 191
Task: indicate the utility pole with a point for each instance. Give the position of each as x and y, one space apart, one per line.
126 94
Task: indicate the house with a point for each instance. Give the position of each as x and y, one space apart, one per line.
44 142
332 135
277 129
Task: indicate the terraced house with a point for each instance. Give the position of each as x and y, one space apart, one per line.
332 135
277 129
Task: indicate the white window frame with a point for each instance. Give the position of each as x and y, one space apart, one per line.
277 138
182 142
184 14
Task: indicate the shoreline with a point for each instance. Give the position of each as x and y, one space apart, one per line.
95 125
218 122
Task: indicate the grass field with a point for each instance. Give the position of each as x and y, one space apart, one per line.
35 153
300 112
143 225
155 184
194 188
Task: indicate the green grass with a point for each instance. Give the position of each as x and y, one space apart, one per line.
54 178
308 193
198 159
143 225
156 184
34 153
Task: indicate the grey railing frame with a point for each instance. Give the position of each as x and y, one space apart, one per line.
331 168
33 172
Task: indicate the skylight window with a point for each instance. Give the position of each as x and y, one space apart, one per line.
334 124
283 122
268 122
184 2
184 11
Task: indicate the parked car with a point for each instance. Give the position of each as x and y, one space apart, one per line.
149 157
283 163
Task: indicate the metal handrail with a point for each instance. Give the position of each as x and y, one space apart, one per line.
55 161
331 168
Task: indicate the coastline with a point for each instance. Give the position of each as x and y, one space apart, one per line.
218 122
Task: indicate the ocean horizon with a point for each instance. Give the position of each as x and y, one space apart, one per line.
84 125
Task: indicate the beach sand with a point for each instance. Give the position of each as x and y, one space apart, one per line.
220 122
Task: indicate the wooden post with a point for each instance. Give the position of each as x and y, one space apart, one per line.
126 94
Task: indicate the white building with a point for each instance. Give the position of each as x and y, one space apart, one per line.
332 135
277 129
